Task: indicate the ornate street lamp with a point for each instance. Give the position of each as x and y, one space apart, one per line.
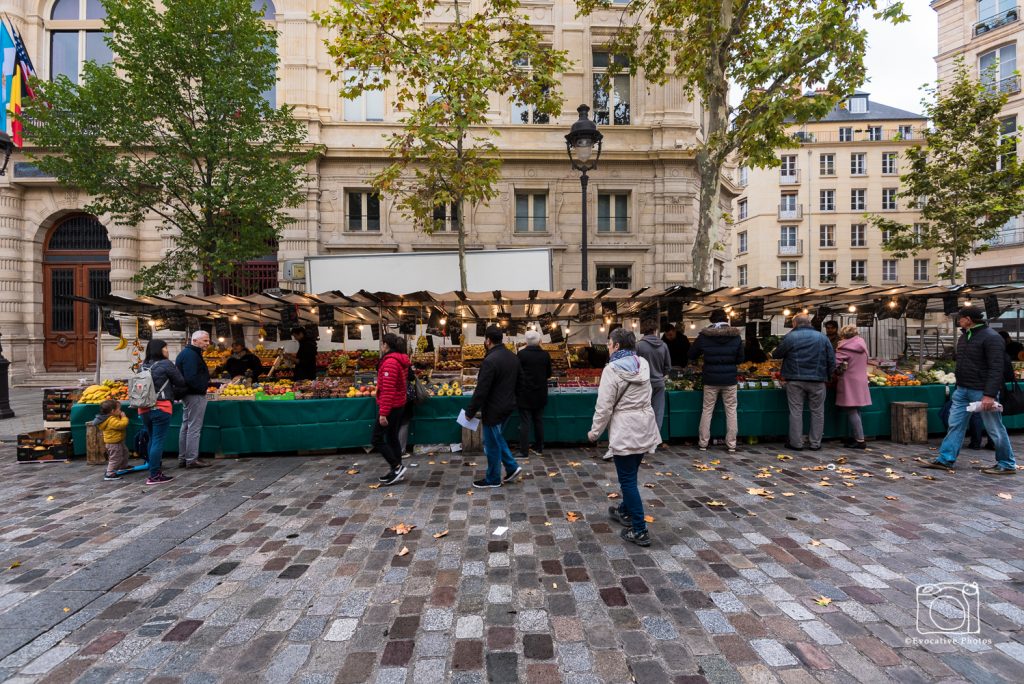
583 143
6 148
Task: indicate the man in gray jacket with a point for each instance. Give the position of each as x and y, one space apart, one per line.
655 352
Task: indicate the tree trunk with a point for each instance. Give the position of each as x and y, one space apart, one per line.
710 191
462 246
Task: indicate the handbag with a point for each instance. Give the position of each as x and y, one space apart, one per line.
1012 400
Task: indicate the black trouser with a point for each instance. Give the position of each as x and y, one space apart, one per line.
528 416
385 439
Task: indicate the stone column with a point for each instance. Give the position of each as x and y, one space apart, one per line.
124 258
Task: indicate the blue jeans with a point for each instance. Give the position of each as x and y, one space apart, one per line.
632 506
156 422
958 420
498 453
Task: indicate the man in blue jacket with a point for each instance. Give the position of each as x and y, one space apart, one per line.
722 349
197 378
808 361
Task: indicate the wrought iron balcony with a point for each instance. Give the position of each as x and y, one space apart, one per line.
790 248
995 21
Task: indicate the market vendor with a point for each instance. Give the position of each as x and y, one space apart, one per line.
678 346
305 357
242 362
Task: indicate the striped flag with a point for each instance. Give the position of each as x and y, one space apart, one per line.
9 52
21 86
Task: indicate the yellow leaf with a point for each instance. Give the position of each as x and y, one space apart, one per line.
404 551
353 471
50 498
727 477
613 495
716 504
553 473
788 494
547 524
572 516
823 600
375 486
648 518
815 542
575 464
15 564
1004 495
67 610
442 533
824 483
893 498
715 462
784 457
668 474
402 528
649 485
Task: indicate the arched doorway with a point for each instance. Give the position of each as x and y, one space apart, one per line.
76 262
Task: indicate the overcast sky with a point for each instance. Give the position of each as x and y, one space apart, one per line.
901 58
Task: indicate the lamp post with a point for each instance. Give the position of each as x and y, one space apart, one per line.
583 143
6 148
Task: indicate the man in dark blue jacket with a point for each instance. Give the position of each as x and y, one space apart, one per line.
197 378
722 349
497 388
808 361
980 369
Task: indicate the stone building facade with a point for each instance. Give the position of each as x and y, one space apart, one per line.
642 201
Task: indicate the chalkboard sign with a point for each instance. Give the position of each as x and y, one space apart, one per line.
237 332
866 316
586 311
289 317
112 326
455 334
950 304
992 307
557 335
755 309
221 328
145 332
326 315
337 334
609 308
270 332
764 329
916 307
517 328
738 317
481 328
407 324
751 331
375 331
674 310
354 331
545 321
312 331
787 322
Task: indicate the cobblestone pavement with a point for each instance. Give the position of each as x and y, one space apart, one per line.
285 569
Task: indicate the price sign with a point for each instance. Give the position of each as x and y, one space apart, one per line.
916 308
355 331
326 315
337 334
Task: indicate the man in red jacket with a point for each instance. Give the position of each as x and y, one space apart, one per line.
392 372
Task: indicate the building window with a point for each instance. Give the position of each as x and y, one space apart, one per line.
742 205
998 69
744 176
74 45
614 276
857 199
827 236
741 239
990 9
846 134
525 113
920 269
613 212
370 105
446 218
531 212
858 237
889 163
741 275
827 200
1008 131
787 203
889 199
858 164
827 164
787 171
906 132
858 105
787 274
611 106
787 236
363 211
858 270
918 233
886 236
874 133
889 270
827 271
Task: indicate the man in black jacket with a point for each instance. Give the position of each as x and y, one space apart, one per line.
533 393
722 349
197 378
495 399
305 357
980 359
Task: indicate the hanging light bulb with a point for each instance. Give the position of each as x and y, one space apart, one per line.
566 331
852 308
152 323
261 339
892 305
806 311
634 324
312 309
786 312
465 325
602 328
443 321
554 325
234 317
693 326
221 340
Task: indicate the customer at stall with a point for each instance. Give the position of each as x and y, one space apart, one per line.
808 361
168 383
624 409
241 363
1013 348
112 423
722 349
851 375
402 347
752 350
196 373
392 379
495 399
980 368
305 357
535 363
678 345
652 349
832 333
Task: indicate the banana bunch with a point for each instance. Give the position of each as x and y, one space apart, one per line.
95 394
421 344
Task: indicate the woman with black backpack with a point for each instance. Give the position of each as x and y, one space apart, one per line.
168 383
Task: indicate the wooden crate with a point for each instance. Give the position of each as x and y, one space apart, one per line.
95 450
909 422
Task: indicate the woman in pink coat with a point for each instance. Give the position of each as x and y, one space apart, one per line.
852 386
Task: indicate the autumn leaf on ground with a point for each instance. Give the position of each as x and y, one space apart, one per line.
613 495
547 523
649 485
572 516
815 542
819 468
758 491
575 464
553 473
442 533
866 474
444 462
1005 495
788 494
17 564
893 498
715 462
784 457
702 467
649 518
716 504
375 486
660 474
404 551
841 460
887 456
823 600
824 483
849 484
928 477
402 528
668 474
50 498
352 471
430 463
727 477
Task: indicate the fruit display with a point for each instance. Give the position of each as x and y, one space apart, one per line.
585 377
369 390
266 356
766 369
338 366
578 355
368 360
423 360
449 366
110 389
237 391
473 352
445 389
215 357
449 354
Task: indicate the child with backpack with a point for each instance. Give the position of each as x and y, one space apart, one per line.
113 423
152 392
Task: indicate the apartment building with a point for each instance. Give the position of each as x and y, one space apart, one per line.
642 202
803 224
989 33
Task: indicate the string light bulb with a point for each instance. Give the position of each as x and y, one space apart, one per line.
634 324
261 339
852 308
602 328
806 311
892 305
234 317
312 309
693 326
786 312
221 340
443 321
465 325
554 325
152 323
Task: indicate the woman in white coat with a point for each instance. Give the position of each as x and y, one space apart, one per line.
624 408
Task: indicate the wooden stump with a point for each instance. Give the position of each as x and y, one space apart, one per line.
95 450
472 441
909 422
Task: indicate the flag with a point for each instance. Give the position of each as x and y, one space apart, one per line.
21 85
15 105
9 52
22 53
